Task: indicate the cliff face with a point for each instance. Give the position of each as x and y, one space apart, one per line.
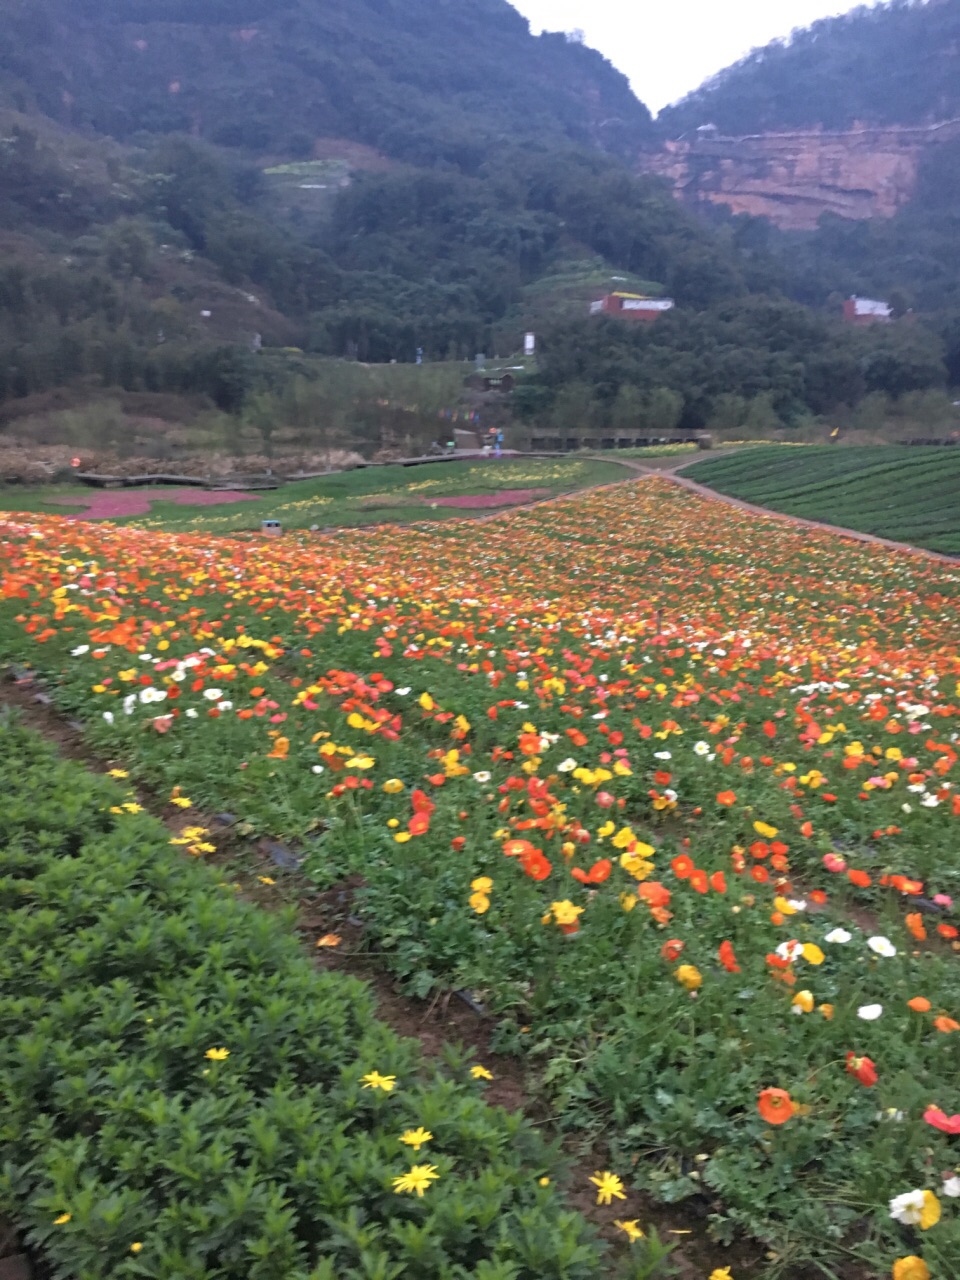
793 178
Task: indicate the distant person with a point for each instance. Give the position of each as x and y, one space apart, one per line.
498 445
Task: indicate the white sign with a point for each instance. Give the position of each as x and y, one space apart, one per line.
529 344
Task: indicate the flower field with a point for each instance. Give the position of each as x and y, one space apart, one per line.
669 788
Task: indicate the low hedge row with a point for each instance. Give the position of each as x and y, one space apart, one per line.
130 1149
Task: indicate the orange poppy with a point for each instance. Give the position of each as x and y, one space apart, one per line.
727 958
683 866
914 922
653 893
775 1106
726 798
671 949
946 1025
919 1004
518 848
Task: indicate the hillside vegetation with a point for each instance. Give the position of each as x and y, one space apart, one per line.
893 63
180 184
421 79
908 494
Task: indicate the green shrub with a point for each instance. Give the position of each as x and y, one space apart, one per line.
122 965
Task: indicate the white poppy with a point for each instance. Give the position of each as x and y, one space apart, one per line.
80 649
402 693
662 755
108 716
191 713
882 946
482 776
790 950
838 935
907 1208
701 748
318 768
870 1012
213 695
951 1186
568 765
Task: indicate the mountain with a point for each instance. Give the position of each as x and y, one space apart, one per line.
421 80
182 181
356 177
891 64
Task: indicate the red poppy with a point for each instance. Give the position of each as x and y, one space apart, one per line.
760 874
699 881
535 865
940 1120
421 802
662 777
727 958
419 824
946 930
671 950
683 866
718 882
599 872
863 1069
860 878
726 798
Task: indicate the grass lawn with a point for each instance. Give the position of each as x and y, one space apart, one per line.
901 492
350 498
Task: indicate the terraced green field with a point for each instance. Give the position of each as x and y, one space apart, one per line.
901 492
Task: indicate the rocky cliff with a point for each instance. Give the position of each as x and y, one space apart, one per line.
793 178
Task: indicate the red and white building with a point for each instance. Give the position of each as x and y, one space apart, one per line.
631 306
863 311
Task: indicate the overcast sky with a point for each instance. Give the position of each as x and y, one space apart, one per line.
668 47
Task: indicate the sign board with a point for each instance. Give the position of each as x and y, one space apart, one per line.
529 344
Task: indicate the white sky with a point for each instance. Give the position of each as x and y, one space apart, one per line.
668 47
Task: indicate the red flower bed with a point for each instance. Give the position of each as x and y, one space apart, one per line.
115 504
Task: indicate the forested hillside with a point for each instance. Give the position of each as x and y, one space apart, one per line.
895 63
423 80
181 182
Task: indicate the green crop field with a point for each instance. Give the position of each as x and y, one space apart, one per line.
909 494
